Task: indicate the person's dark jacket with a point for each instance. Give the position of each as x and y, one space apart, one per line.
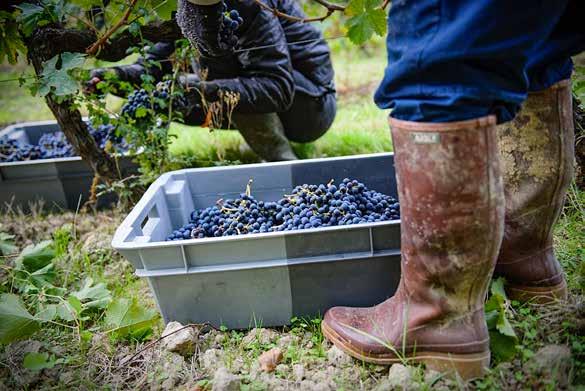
275 57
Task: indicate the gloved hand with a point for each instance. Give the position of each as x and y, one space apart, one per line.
96 76
193 88
205 26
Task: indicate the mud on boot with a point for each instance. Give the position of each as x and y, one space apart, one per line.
537 152
452 214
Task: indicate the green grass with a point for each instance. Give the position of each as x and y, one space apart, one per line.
570 239
17 104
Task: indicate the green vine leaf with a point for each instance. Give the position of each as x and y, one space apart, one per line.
367 18
47 313
127 318
86 4
503 338
36 256
56 77
39 361
31 17
93 296
15 320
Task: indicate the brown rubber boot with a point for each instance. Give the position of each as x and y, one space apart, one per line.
264 133
452 208
537 152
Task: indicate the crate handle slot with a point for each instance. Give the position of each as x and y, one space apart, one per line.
150 221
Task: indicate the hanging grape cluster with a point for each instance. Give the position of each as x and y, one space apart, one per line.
231 21
157 101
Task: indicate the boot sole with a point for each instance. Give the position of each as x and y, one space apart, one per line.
467 366
538 295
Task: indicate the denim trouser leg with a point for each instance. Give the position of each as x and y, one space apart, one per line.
453 60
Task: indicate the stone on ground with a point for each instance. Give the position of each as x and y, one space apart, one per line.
263 336
182 342
338 357
287 340
298 372
399 378
225 381
211 359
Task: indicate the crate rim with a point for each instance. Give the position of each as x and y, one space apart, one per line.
126 225
119 245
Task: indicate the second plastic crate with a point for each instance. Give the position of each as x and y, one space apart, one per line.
61 183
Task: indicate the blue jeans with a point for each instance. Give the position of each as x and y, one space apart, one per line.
452 60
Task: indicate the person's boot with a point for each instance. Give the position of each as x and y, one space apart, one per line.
264 133
452 214
537 152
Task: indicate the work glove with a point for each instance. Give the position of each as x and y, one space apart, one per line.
208 27
195 93
96 76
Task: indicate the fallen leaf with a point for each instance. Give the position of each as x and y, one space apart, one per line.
270 359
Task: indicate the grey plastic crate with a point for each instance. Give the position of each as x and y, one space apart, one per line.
266 278
61 183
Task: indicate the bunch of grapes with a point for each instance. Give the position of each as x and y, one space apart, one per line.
55 145
231 21
141 98
309 206
9 150
106 134
137 99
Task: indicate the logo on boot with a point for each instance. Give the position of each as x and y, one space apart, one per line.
426 138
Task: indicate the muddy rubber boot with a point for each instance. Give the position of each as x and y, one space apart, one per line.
264 133
537 152
452 214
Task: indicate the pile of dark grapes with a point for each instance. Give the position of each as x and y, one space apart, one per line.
231 21
141 98
309 206
55 145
